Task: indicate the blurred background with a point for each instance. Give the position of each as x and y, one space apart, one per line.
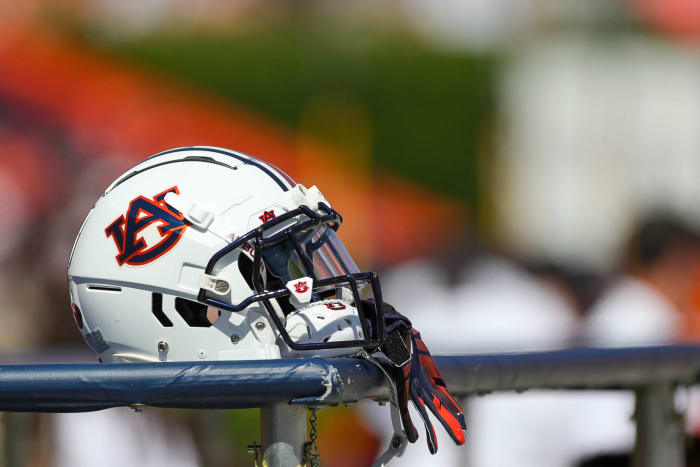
523 174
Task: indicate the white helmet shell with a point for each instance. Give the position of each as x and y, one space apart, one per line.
145 280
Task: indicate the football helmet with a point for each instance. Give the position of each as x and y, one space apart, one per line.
203 253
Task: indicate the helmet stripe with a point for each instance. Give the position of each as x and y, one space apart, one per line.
269 170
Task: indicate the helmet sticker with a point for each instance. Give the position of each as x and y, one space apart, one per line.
267 215
301 290
143 212
96 341
301 287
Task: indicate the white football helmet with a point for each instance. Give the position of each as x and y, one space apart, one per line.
203 253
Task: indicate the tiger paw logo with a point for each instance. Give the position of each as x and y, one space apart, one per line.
149 229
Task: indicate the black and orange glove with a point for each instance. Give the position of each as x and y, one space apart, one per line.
416 376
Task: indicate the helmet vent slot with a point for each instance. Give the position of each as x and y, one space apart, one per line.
157 310
194 314
105 288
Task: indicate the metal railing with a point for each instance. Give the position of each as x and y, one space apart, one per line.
652 373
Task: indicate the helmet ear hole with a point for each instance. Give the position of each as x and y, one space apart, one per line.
194 314
247 269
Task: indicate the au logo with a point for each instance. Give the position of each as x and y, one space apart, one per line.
301 287
267 215
142 213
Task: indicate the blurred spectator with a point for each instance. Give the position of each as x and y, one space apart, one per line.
118 437
654 296
581 287
650 302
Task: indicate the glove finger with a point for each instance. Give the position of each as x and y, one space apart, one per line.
451 421
419 398
408 426
450 404
403 393
440 390
428 365
437 382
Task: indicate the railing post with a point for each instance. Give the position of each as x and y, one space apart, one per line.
17 437
283 434
660 441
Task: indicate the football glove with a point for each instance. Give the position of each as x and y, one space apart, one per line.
416 377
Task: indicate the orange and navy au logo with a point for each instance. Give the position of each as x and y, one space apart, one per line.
142 213
267 215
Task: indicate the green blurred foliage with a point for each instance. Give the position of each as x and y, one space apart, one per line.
243 430
426 110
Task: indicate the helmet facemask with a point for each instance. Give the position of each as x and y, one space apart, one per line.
300 248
